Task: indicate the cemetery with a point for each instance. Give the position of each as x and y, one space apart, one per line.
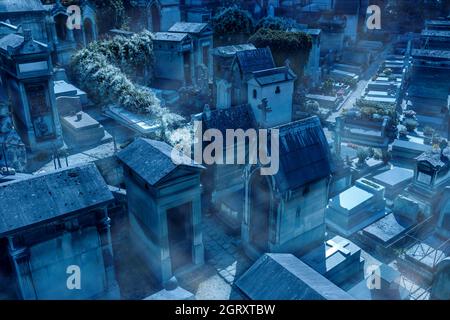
99 170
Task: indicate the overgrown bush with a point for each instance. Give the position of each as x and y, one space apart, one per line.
99 70
132 55
276 23
111 14
292 46
232 20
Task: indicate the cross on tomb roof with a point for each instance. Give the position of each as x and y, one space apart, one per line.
265 108
337 247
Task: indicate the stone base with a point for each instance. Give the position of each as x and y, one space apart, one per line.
348 231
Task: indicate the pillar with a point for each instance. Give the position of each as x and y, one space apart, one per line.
20 258
70 36
198 256
103 228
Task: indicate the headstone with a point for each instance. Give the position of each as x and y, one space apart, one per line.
406 209
68 105
65 89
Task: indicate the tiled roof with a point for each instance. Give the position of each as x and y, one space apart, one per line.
169 36
152 160
188 27
48 196
15 6
229 51
255 60
277 276
239 117
304 152
274 75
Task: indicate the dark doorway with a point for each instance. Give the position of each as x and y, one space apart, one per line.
60 26
8 288
156 18
179 225
187 67
205 53
259 212
88 31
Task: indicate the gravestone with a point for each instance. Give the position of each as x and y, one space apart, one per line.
65 89
68 105
406 209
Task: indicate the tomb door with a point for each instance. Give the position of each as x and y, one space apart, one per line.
187 67
205 54
60 26
40 111
180 231
156 18
88 31
260 212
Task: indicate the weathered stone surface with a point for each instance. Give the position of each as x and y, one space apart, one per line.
285 277
441 282
406 208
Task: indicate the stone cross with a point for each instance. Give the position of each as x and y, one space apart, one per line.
337 247
264 107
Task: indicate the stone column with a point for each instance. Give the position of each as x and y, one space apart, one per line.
20 258
245 228
165 272
198 257
103 228
70 36
83 33
337 135
193 68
